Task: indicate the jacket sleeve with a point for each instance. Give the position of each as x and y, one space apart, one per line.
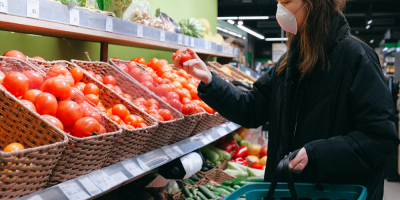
374 134
249 109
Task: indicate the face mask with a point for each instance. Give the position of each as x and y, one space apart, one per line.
286 19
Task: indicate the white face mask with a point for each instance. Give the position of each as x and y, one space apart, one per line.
286 19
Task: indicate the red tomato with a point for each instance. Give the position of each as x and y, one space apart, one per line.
13 147
93 98
136 73
159 64
69 112
86 127
131 120
182 80
152 62
149 85
15 54
141 125
117 89
183 74
31 95
173 95
188 109
46 103
102 129
140 101
198 109
59 87
185 55
91 73
166 81
177 84
29 104
150 70
35 79
80 86
54 121
2 75
153 106
143 108
164 69
16 83
109 80
191 87
39 58
123 67
77 96
131 65
115 58
152 102
207 108
161 90
175 103
98 77
127 97
139 60
197 102
91 88
168 75
62 71
110 86
157 116
77 74
194 95
115 118
166 114
152 110
89 111
186 100
158 80
120 110
164 99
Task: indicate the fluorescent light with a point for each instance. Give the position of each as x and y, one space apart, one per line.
251 32
244 18
240 22
385 49
276 39
368 26
244 38
372 41
227 18
370 21
229 32
231 21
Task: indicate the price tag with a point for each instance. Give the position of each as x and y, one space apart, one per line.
132 167
172 152
162 36
222 132
192 42
231 126
118 178
139 31
3 6
109 24
35 197
186 41
206 45
74 17
143 165
90 186
101 180
73 191
209 137
205 140
32 8
180 39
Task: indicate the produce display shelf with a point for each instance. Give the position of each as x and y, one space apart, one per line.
48 18
109 178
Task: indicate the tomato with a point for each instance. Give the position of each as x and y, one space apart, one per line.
168 75
150 70
29 104
164 99
35 79
173 95
16 83
182 81
110 86
115 58
109 80
161 90
177 84
77 96
197 102
152 62
123 67
158 80
46 103
198 109
194 95
131 65
54 121
127 97
191 87
139 60
109 111
143 108
165 114
89 111
91 88
175 103
185 55
115 118
2 75
80 85
117 89
207 108
120 110
186 101
142 125
59 87
69 112
98 77
152 102
140 101
77 74
131 120
14 147
159 64
149 85
85 127
183 74
15 54
31 95
39 58
157 116
166 81
152 110
91 73
101 109
164 69
188 109
62 71
102 129
93 98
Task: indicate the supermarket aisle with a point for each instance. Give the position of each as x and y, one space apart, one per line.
392 191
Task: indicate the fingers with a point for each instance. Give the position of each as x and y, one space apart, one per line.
176 62
189 65
300 161
194 55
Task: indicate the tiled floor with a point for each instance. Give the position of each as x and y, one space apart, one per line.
392 191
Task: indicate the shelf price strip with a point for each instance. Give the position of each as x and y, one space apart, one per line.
117 178
132 168
222 132
74 17
35 197
73 191
139 31
32 8
180 39
231 126
109 24
172 152
3 6
162 36
187 41
90 186
101 180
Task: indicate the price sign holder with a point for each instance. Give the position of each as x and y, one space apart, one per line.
139 31
222 132
89 186
117 178
162 36
101 180
32 8
172 151
4 6
74 17
186 41
73 191
180 39
192 42
35 197
109 24
231 126
132 167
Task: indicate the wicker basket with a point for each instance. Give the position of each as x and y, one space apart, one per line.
218 175
214 67
208 121
223 165
26 171
239 73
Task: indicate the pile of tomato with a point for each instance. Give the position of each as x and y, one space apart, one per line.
175 87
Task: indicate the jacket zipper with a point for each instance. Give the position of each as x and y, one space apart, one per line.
297 115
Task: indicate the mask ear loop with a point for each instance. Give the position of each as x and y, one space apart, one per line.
300 9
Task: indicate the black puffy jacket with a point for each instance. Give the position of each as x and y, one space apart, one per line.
342 116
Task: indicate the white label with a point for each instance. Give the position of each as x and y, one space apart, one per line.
132 168
172 152
101 180
109 24
192 42
3 6
205 140
180 39
206 45
90 186
209 137
162 36
222 132
74 17
118 178
139 31
231 126
142 165
32 8
35 197
73 191
186 41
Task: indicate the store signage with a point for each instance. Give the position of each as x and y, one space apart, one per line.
139 31
109 24
222 132
89 186
3 6
74 17
73 191
101 179
162 36
172 151
132 167
32 8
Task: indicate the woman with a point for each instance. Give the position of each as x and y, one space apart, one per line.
326 96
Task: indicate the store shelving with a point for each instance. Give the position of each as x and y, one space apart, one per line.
109 178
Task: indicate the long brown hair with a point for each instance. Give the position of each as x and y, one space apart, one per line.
313 35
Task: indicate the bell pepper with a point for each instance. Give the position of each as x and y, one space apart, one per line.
241 152
241 161
257 165
228 146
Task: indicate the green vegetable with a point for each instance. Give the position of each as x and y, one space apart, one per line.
236 187
210 154
197 198
186 192
237 166
204 169
201 195
237 138
254 179
206 192
193 27
189 199
255 172
193 191
195 178
188 181
222 154
222 195
218 163
221 191
216 192
227 183
245 143
236 173
226 188
245 183
237 181
207 185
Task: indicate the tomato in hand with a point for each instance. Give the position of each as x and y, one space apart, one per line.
14 147
157 116
29 104
91 88
86 127
16 83
93 99
46 103
15 54
120 110
77 74
35 79
69 112
166 114
185 55
98 77
31 95
123 67
54 121
139 60
131 120
89 111
59 87
109 80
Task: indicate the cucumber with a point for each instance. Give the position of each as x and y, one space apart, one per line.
189 199
236 181
206 192
197 198
186 192
192 182
222 154
214 157
216 193
229 189
236 187
195 178
227 183
193 191
222 195
245 183
207 185
254 179
187 181
201 195
221 191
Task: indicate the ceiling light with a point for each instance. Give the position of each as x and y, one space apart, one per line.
372 41
276 39
229 32
244 18
227 18
370 21
368 26
385 49
231 21
240 22
244 38
251 32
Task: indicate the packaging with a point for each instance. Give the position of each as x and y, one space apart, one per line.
116 6
139 12
169 23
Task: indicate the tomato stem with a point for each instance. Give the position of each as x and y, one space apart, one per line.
95 133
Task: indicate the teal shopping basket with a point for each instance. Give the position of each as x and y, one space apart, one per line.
297 191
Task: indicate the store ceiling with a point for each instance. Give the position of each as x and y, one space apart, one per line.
384 13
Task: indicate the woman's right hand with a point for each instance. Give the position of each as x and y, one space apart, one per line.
196 67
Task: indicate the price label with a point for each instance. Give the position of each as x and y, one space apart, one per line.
205 140
90 186
162 36
3 6
132 167
109 24
192 42
180 39
209 137
118 178
232 126
143 165
139 31
73 191
101 180
172 152
74 17
32 8
206 45
35 197
186 41
222 132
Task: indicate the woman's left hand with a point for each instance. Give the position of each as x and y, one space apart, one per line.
300 161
